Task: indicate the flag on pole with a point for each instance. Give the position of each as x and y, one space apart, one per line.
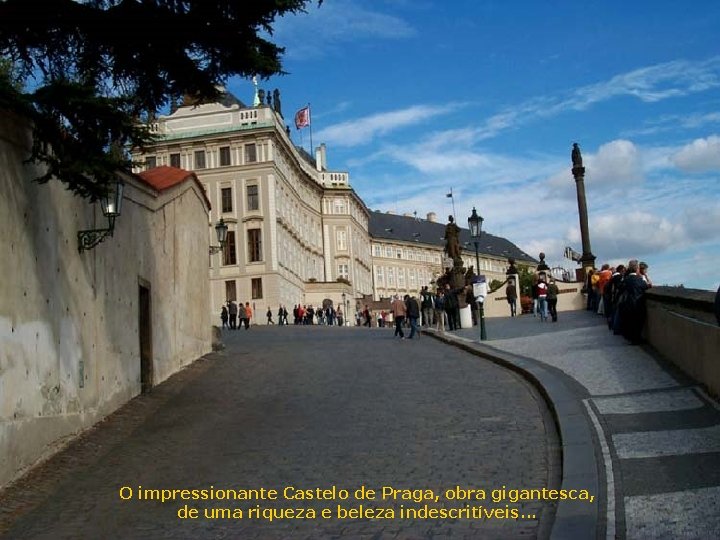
449 194
302 118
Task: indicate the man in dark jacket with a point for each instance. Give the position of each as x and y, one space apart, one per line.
452 308
413 313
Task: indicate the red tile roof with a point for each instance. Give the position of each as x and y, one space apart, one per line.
165 177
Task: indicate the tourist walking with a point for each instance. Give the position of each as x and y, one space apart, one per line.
269 316
542 290
427 307
224 317
413 314
399 311
452 308
552 299
440 311
233 311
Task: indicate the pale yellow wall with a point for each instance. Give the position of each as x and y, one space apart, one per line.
69 346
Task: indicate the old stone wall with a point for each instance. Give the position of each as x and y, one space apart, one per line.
681 326
69 340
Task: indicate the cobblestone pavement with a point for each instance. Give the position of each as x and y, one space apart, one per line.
659 430
306 407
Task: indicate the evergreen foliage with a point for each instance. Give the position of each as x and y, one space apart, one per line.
95 70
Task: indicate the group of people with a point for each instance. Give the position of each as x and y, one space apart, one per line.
618 294
545 297
439 309
308 315
234 315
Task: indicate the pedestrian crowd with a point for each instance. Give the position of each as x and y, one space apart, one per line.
234 315
618 294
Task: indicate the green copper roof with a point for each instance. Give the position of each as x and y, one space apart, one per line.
204 132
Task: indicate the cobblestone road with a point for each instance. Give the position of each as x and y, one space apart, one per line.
306 407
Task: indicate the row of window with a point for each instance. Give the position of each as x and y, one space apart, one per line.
256 289
199 158
252 198
254 247
390 276
408 254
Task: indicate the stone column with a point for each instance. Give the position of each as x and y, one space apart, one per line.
578 172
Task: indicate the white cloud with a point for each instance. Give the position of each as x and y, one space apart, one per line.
320 31
700 155
362 130
649 84
616 162
672 122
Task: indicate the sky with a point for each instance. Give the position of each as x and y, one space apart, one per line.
414 98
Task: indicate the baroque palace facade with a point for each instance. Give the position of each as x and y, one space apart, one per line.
297 232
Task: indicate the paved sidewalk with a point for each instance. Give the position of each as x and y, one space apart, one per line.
656 434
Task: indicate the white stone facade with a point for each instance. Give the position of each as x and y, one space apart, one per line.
291 222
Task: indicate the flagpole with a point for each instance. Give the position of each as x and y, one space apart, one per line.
452 198
310 126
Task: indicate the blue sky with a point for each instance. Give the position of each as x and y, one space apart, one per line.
416 97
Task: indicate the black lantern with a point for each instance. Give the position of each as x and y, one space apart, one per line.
221 231
111 205
475 224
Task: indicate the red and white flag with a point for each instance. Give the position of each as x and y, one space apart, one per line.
302 118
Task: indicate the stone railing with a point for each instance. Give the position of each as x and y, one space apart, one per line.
681 326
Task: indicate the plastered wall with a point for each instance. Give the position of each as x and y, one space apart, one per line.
69 341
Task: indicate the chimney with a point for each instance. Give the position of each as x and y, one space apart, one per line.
432 217
321 157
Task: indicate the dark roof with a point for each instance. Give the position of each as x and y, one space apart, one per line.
410 229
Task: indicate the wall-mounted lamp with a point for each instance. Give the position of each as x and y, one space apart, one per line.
111 204
221 231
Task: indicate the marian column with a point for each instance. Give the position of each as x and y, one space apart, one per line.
578 171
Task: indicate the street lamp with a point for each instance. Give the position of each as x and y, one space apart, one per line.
111 204
221 232
475 224
345 305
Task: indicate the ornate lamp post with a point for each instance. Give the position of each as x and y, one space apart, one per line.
221 232
475 225
344 304
111 205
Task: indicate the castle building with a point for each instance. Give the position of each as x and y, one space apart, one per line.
298 233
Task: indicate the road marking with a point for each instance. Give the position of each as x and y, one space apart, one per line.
609 476
671 400
676 442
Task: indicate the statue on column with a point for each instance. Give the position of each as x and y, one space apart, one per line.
261 96
511 270
576 156
452 241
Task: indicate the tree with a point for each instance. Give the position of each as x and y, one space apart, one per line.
95 70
